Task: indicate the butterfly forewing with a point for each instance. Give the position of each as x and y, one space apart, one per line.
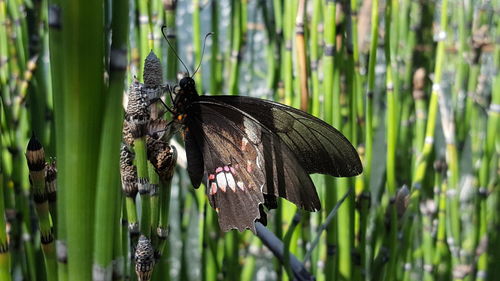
319 147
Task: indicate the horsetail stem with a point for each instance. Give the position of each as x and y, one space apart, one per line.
35 156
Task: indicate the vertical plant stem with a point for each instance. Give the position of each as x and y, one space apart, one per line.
144 189
328 66
315 45
107 204
145 40
57 74
367 251
5 256
391 115
236 42
83 85
172 61
441 269
492 152
286 243
197 44
215 63
35 156
300 43
287 71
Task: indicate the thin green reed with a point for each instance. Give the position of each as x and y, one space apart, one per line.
155 199
301 57
441 251
366 249
329 100
481 126
5 255
57 75
277 31
315 45
344 229
273 46
491 158
170 31
215 61
287 62
197 44
391 96
237 35
108 197
35 156
357 129
19 26
157 11
34 79
145 41
459 88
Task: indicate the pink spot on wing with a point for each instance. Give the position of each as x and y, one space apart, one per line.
211 177
218 170
232 170
226 168
213 188
249 166
244 143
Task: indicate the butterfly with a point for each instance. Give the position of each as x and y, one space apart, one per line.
250 151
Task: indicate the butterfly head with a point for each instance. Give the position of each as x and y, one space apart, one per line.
187 85
185 93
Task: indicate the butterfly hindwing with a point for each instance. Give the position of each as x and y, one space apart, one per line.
319 147
231 166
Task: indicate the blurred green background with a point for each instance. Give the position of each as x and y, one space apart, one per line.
414 85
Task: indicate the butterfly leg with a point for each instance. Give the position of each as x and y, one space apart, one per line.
152 101
167 128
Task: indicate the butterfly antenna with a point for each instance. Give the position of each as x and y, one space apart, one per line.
173 49
203 51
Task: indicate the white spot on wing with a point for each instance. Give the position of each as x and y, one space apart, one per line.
221 181
230 181
241 185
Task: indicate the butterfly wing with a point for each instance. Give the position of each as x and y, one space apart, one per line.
234 191
242 160
319 147
283 173
194 159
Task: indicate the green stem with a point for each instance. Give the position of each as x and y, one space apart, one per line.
106 222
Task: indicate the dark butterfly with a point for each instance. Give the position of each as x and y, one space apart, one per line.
251 151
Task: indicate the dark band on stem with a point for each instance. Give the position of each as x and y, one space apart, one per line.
55 18
329 50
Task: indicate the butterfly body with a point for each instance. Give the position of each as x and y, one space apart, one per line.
250 151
